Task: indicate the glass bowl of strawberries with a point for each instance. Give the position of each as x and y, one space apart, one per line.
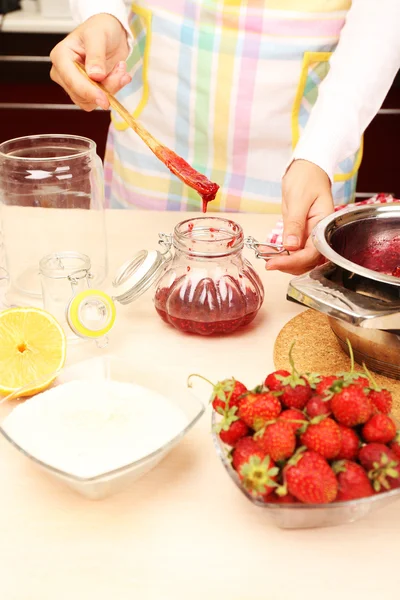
312 451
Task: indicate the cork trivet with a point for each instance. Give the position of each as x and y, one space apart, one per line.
318 351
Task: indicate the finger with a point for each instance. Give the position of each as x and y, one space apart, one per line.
297 263
294 220
86 106
117 79
65 73
95 44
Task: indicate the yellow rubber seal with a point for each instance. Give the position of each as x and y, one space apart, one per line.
74 318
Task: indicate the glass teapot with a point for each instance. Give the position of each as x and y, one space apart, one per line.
203 284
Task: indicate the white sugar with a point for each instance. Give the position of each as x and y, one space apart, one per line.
87 428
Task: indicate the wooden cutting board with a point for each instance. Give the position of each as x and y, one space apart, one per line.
317 350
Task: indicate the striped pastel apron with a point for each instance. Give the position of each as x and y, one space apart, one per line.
229 85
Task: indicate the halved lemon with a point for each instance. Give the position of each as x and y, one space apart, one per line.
32 350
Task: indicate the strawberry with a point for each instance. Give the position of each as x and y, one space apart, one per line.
275 499
294 417
395 445
225 394
234 432
259 476
256 409
353 481
317 406
360 381
350 443
277 440
245 448
325 383
380 428
322 436
313 379
296 391
382 466
351 406
381 400
310 479
350 378
273 383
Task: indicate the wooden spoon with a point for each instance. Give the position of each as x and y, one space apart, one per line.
177 165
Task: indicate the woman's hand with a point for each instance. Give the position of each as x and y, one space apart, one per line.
306 199
100 43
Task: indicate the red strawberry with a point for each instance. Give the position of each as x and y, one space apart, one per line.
294 417
351 406
382 466
317 406
233 432
353 481
274 383
380 428
296 393
275 499
259 476
257 408
277 440
245 448
226 392
350 443
296 390
323 386
322 436
360 381
395 445
381 400
310 479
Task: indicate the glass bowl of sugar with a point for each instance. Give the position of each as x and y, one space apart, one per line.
102 424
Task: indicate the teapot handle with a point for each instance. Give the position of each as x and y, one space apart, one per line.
316 291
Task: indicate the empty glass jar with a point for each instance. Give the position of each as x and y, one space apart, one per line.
51 201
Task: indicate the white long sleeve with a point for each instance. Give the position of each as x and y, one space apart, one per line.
84 9
363 68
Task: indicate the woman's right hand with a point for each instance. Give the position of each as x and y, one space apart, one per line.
100 44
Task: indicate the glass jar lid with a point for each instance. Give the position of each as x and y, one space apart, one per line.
138 274
91 314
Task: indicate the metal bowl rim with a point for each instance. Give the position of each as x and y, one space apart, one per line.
354 214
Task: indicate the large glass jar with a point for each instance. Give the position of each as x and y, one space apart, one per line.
51 201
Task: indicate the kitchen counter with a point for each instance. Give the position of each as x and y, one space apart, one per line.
184 530
20 21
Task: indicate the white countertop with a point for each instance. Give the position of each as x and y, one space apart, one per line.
183 531
20 21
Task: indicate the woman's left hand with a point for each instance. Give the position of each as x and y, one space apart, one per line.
306 199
